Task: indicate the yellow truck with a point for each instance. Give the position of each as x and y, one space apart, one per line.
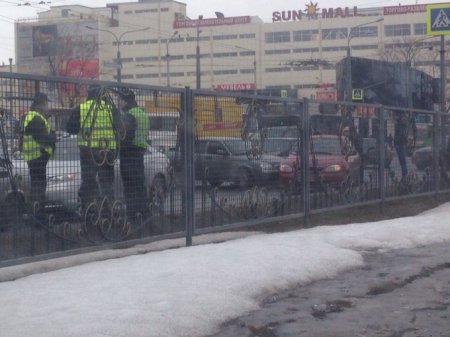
213 116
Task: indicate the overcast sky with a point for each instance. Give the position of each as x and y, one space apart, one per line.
10 11
190 291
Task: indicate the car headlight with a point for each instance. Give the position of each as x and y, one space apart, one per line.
265 167
286 168
333 168
62 178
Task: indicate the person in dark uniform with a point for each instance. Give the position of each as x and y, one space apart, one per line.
132 148
37 145
94 122
401 139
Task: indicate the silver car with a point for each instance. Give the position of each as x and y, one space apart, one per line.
64 175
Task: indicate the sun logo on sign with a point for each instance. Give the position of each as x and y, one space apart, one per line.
311 10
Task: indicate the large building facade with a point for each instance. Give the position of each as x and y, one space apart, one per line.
154 42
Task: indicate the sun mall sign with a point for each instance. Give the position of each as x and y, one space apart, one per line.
312 12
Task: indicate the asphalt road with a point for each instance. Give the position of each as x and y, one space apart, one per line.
403 293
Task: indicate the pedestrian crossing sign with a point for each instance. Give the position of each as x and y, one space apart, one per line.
357 94
438 19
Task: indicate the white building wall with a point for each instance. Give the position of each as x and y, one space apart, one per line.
277 64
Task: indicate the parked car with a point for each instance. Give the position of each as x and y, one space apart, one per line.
327 163
372 155
220 159
64 175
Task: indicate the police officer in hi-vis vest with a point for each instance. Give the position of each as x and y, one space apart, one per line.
132 148
94 123
37 145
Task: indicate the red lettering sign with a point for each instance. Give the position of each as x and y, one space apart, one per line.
234 20
236 86
326 95
394 10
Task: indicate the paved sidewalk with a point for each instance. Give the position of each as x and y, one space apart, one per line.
403 293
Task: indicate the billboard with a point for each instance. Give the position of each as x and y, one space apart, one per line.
44 40
59 49
387 83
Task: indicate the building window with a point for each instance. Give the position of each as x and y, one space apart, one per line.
234 54
278 70
277 51
247 53
225 72
128 12
225 37
397 30
325 49
147 59
364 47
247 36
123 43
420 29
305 68
147 75
126 77
126 59
139 11
305 35
142 42
177 57
247 71
334 34
365 31
305 50
200 38
278 37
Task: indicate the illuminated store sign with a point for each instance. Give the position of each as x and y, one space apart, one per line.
312 12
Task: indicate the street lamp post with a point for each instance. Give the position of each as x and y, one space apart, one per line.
118 40
348 91
197 53
168 57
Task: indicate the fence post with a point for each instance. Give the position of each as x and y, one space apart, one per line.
305 163
437 150
382 154
187 156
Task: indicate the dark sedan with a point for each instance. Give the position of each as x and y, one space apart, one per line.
219 160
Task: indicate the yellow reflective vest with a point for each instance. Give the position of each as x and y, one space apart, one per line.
31 149
96 125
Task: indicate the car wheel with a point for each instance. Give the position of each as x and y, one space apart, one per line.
244 178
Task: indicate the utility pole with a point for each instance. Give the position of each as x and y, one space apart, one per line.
168 58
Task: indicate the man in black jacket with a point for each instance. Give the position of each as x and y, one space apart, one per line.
132 148
37 144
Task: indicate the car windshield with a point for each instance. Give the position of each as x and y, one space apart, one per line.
326 145
67 150
280 146
236 146
281 131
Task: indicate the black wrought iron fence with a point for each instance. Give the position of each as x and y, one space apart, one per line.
90 164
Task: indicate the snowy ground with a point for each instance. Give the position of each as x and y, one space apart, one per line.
191 291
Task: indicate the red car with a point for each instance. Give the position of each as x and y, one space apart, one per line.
328 163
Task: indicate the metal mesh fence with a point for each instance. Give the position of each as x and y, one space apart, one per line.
88 164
